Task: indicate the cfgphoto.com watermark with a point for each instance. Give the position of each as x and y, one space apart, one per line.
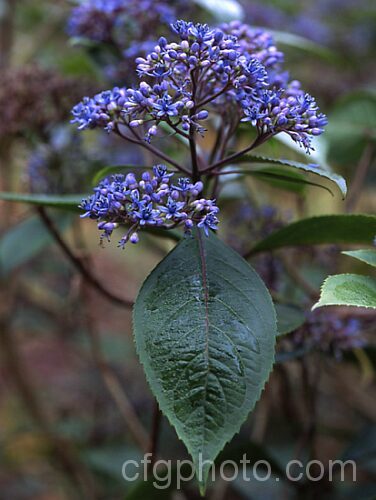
167 473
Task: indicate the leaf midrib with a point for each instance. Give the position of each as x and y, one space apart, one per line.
205 286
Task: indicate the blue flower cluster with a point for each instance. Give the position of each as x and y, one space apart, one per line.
121 30
234 71
103 110
287 110
260 44
330 333
154 200
283 106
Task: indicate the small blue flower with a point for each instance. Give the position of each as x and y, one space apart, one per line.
209 221
146 215
173 209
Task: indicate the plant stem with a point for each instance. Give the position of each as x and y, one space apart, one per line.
212 97
229 159
155 429
192 145
157 152
192 142
216 145
78 264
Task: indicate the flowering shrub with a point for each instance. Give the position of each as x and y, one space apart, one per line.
173 150
204 78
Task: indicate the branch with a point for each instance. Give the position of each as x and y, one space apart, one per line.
229 159
192 142
152 149
81 268
114 387
192 145
177 129
213 97
216 144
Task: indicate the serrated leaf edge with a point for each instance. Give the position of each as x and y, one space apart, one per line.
318 304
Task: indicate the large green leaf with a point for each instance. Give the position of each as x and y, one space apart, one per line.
348 290
289 165
368 256
205 330
63 201
325 229
23 241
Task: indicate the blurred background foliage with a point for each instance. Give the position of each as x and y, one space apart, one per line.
74 403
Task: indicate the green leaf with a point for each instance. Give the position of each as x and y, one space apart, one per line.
226 10
325 229
348 290
115 169
302 43
27 239
352 125
280 178
205 330
289 318
289 164
63 202
367 256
